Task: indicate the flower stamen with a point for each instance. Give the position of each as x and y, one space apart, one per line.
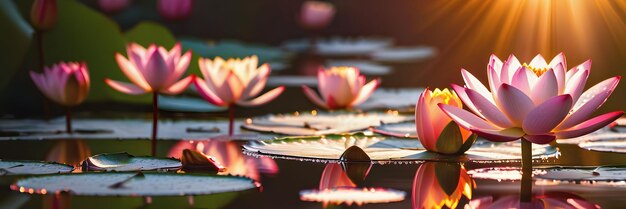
443 95
536 70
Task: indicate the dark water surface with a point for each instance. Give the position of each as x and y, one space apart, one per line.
281 190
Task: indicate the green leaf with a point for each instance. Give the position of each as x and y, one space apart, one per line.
15 40
448 176
354 154
450 140
468 144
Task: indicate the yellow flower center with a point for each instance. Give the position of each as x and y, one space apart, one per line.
339 70
444 95
538 71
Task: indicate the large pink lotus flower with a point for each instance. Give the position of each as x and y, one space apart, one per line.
539 101
235 82
43 14
64 83
435 130
316 14
113 6
341 87
154 69
175 9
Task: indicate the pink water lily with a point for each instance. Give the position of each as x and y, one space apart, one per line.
175 9
113 6
316 14
154 70
64 83
341 87
435 130
539 101
235 82
44 14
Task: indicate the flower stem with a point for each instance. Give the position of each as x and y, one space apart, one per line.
527 168
68 120
155 119
231 119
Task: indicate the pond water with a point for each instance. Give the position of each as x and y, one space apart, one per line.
281 188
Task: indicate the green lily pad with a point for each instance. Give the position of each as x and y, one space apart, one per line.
384 150
277 58
322 123
23 167
187 104
349 196
34 129
125 162
150 184
574 174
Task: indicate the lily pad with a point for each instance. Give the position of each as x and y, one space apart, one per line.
555 173
390 98
404 54
187 104
383 150
125 162
501 173
340 46
585 173
23 167
277 58
33 129
322 123
292 80
148 184
610 142
349 195
402 130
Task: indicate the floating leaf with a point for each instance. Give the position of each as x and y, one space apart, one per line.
116 129
340 46
152 184
23 167
382 150
349 196
125 162
187 104
584 173
390 98
403 54
321 123
237 49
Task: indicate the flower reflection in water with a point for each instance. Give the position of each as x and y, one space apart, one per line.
228 154
70 152
540 201
336 188
441 184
